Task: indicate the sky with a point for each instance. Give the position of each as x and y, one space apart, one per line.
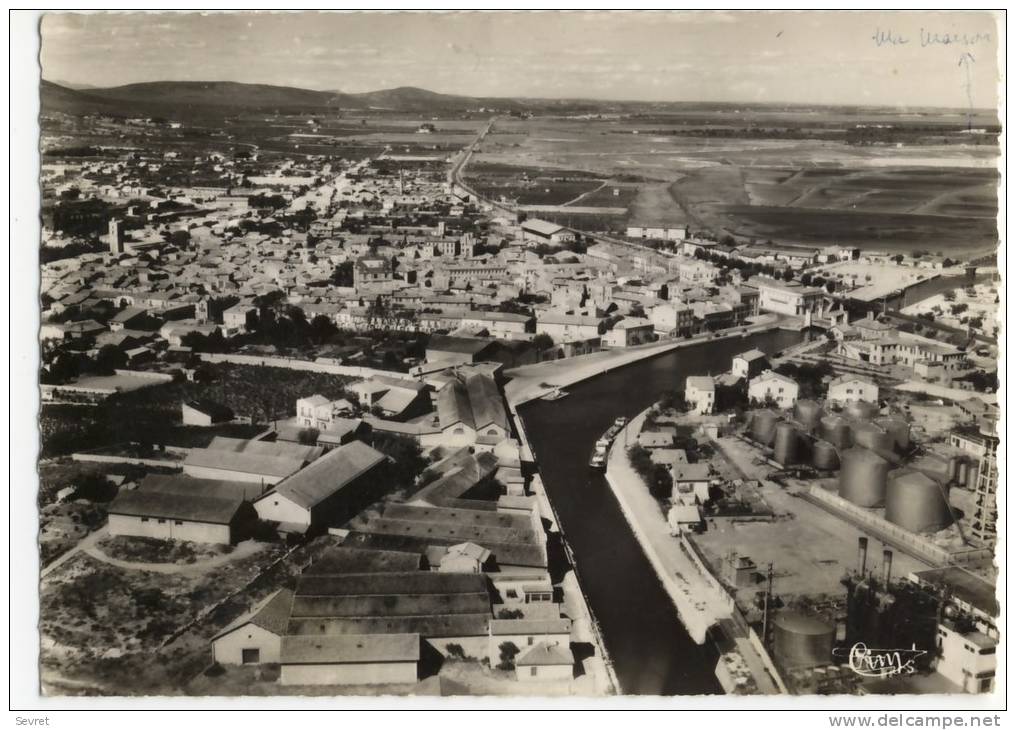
865 57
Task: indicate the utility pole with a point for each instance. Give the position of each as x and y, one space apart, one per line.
765 605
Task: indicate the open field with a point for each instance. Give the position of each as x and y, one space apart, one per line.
811 177
876 231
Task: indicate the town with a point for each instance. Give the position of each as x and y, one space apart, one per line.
330 406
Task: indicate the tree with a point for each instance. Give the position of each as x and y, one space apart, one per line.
507 653
672 400
664 292
543 341
406 456
308 436
66 366
788 274
322 327
109 359
343 274
204 374
510 613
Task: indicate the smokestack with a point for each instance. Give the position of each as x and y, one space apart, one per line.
887 564
862 555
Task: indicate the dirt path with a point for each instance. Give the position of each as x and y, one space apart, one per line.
588 192
243 550
84 544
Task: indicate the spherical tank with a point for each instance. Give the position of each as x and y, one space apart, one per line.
836 431
763 426
824 456
808 412
802 641
918 503
860 410
898 428
863 476
785 444
872 437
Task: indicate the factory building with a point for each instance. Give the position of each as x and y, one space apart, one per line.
327 491
535 230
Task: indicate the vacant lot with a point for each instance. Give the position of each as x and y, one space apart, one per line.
809 548
107 630
151 550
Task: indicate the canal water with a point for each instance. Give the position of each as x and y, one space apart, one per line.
651 651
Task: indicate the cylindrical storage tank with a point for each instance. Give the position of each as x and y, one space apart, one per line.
836 430
801 642
785 444
824 456
860 410
952 471
763 426
963 479
872 437
808 412
863 477
898 428
918 503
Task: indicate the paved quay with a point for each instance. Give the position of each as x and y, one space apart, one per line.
534 381
699 603
695 600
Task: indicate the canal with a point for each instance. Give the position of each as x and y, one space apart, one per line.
651 651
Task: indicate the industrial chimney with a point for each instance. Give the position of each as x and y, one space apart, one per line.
887 565
862 555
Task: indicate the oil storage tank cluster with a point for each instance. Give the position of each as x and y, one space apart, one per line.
809 414
824 456
785 443
898 428
918 503
872 437
836 430
802 642
763 426
863 477
860 410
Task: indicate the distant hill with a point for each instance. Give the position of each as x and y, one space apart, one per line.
76 87
217 93
411 98
162 97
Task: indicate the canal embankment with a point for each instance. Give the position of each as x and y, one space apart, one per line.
649 649
585 629
535 381
702 603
